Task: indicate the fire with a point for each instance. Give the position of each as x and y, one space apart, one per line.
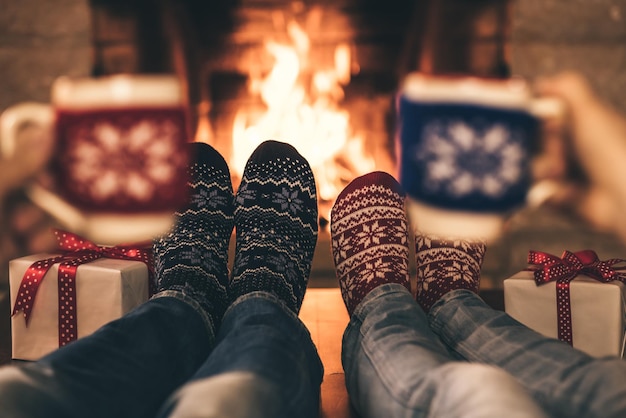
301 107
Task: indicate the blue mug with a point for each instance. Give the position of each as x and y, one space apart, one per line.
465 151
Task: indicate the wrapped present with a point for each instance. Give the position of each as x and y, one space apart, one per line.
576 298
66 296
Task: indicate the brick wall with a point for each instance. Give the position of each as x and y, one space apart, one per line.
39 41
587 35
42 40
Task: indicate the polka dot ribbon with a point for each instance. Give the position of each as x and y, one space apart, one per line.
75 251
548 268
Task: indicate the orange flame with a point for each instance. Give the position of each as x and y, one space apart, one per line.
301 107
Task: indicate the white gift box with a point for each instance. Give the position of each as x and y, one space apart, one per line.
106 289
598 311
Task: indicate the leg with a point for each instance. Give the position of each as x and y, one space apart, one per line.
565 381
264 364
394 363
397 367
131 365
125 369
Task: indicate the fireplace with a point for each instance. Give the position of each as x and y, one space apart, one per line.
350 57
336 65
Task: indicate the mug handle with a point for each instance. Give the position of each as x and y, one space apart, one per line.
14 117
42 114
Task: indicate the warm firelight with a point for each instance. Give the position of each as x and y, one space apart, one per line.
301 107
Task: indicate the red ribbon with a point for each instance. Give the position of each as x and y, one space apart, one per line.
75 251
548 268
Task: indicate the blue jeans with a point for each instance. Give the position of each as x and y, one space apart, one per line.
465 359
395 366
564 381
162 357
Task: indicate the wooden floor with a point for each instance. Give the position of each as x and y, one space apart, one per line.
326 317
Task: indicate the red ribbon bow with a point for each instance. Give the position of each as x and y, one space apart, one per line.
75 251
548 268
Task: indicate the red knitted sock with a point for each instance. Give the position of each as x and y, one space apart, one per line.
446 264
369 236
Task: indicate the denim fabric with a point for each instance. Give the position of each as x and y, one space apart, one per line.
565 381
264 355
232 394
264 364
395 366
125 369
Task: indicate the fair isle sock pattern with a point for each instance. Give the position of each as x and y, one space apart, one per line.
446 264
192 258
276 225
369 232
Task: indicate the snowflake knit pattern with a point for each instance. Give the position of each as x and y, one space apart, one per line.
193 257
446 264
369 237
276 225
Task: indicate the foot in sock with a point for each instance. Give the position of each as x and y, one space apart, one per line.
192 258
446 264
369 237
276 225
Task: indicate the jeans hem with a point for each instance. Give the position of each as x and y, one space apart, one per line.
261 294
206 319
378 292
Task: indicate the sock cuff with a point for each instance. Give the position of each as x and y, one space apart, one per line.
207 320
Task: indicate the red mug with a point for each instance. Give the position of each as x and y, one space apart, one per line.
119 166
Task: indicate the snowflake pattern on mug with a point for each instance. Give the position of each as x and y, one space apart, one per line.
108 161
462 159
